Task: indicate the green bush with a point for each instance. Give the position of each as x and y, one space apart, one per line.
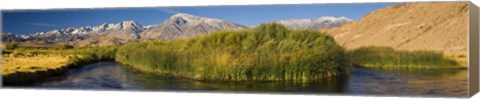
11 45
268 52
63 47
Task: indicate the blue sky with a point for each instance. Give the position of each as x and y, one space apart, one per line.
27 22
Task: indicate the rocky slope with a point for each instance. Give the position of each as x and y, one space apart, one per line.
440 26
9 37
112 34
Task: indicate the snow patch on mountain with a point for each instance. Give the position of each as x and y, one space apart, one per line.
314 24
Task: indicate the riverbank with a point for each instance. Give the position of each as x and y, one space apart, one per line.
27 65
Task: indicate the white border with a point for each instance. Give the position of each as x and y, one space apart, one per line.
69 94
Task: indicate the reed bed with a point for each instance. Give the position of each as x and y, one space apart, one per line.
388 58
269 52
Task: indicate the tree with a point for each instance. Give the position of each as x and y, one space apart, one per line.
66 46
11 46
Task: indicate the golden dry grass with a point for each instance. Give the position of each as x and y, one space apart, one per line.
461 58
28 64
31 64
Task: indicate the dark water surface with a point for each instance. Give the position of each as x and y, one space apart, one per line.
115 76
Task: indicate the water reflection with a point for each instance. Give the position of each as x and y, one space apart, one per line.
410 83
111 75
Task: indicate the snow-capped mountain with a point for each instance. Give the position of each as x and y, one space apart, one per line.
180 25
177 26
124 30
314 24
183 25
9 36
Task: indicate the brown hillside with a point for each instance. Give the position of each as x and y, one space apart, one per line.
440 26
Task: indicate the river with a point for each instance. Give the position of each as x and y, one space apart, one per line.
115 76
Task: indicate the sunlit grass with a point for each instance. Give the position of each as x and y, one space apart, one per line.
31 64
24 65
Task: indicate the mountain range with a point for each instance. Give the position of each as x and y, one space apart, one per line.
314 24
178 26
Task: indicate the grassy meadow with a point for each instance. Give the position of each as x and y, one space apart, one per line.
269 52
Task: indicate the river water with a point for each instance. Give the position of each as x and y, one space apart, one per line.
115 76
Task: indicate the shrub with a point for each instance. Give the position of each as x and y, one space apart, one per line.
11 45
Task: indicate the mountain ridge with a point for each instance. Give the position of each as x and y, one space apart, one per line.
314 23
180 25
183 25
